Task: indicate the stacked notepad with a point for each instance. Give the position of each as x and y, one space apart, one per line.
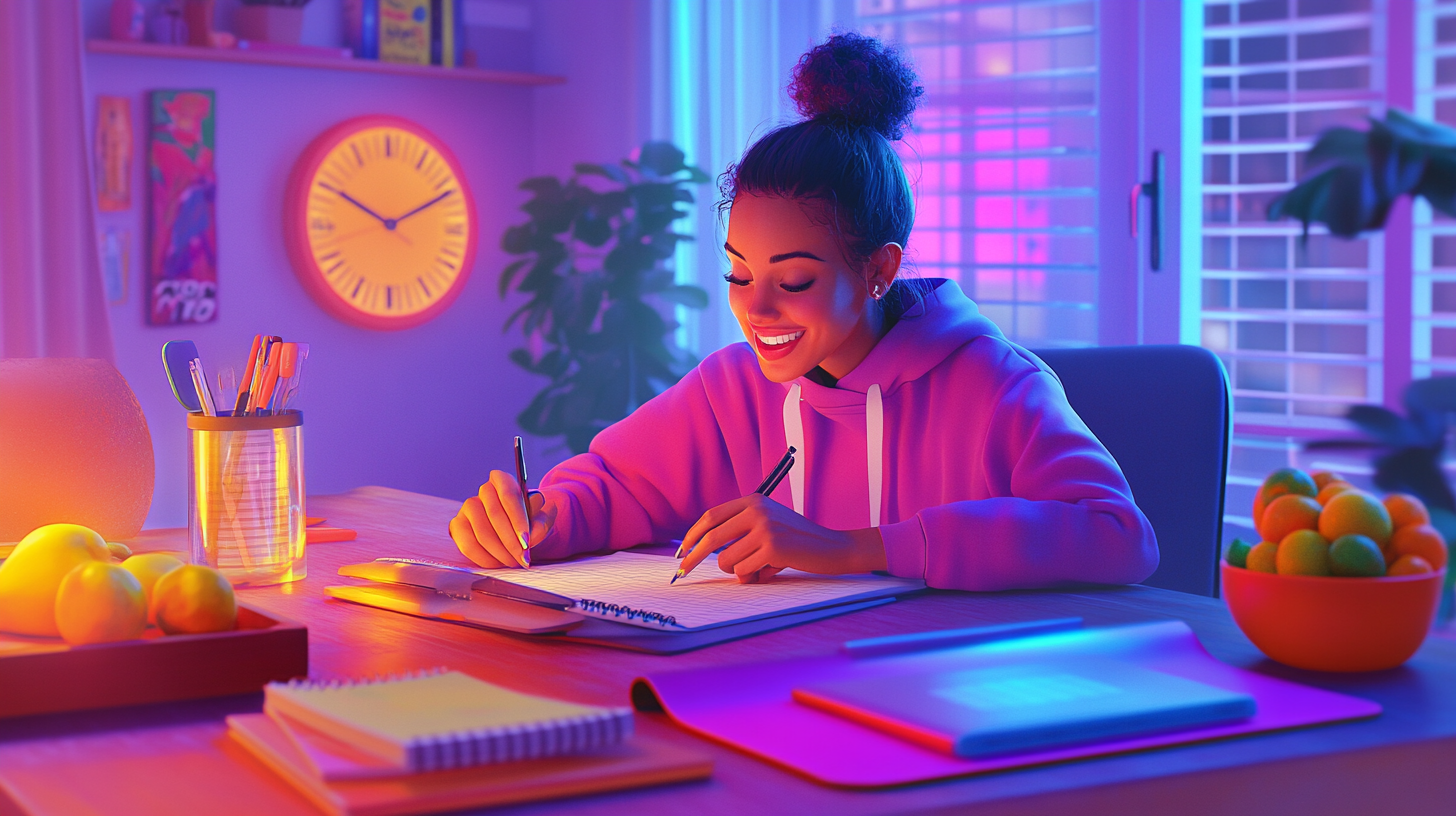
433 721
445 740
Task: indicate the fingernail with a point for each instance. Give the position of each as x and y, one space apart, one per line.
526 557
678 554
524 545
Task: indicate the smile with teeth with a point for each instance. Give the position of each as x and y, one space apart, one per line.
780 339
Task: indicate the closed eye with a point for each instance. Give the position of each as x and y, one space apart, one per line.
735 281
798 287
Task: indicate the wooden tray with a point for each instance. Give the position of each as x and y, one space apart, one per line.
44 675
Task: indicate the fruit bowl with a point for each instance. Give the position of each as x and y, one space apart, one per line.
1334 624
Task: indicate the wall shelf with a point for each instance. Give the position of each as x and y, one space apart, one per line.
145 49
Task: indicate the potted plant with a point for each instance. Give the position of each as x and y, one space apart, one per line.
595 249
1352 179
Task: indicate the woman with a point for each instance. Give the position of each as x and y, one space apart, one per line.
929 445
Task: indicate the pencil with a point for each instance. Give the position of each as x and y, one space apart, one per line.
765 487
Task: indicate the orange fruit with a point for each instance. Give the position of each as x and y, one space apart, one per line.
1420 539
1279 483
1356 556
1331 490
147 568
1324 477
1263 556
119 551
192 599
1406 510
1302 552
1288 513
99 602
1410 565
1355 512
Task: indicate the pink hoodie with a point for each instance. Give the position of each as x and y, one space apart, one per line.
956 443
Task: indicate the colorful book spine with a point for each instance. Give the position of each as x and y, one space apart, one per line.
404 31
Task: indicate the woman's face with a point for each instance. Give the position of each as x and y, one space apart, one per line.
797 300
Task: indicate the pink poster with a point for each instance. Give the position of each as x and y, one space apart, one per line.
182 266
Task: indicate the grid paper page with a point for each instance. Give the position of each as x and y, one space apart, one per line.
706 597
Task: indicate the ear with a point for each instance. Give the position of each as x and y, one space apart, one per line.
884 266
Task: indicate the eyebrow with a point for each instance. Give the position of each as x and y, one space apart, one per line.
776 258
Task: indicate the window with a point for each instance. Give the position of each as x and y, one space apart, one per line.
1298 323
1006 146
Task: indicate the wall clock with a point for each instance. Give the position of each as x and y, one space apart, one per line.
379 223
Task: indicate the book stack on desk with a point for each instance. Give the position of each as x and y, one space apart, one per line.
444 740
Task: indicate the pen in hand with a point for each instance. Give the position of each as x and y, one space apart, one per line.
525 537
767 486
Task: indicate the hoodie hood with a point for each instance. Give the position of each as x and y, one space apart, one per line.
929 332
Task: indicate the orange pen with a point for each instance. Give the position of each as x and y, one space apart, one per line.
269 381
240 408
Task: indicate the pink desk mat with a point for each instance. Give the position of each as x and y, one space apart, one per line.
749 706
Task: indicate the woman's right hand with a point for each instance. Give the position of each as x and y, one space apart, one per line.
485 528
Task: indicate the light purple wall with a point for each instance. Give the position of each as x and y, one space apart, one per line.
430 409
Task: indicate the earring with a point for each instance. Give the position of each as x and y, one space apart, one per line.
875 292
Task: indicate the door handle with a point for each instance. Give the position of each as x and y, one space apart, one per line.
1153 189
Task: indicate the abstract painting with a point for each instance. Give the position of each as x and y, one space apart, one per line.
182 264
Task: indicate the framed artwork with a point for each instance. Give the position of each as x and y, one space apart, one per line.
182 259
113 153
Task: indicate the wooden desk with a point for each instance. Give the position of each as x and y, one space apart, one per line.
176 759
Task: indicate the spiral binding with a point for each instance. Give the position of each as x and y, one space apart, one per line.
619 611
459 749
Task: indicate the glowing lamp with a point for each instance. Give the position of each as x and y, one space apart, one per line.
74 447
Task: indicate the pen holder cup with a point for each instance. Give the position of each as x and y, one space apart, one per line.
245 497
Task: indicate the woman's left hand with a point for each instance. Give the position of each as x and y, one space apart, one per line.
763 537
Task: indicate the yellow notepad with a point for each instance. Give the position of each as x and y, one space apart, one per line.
444 719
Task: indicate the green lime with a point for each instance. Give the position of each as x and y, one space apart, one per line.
1356 556
1238 553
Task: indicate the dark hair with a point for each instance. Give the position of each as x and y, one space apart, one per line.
856 96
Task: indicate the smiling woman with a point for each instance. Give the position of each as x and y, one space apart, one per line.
929 445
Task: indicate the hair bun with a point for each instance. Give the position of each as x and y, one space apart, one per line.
855 79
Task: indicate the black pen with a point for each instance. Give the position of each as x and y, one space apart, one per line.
525 501
767 486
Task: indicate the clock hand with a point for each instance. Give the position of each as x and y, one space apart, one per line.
432 202
388 223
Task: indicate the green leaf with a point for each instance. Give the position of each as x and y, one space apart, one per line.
517 239
697 176
510 272
541 185
693 297
608 171
661 158
592 231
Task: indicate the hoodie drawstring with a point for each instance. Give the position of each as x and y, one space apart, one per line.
874 448
794 433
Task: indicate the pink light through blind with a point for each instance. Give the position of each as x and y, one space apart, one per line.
1005 150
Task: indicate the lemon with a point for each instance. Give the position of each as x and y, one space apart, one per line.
1261 557
192 599
99 602
147 568
31 576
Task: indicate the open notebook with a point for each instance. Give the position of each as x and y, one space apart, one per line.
632 588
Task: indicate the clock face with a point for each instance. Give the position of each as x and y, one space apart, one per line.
380 225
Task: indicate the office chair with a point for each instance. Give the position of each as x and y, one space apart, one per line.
1163 413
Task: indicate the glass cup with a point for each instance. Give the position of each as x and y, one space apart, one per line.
245 497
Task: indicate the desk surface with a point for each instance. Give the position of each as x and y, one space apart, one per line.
177 758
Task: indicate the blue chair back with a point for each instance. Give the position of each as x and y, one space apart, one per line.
1163 413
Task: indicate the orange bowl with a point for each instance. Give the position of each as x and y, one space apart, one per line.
1333 624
